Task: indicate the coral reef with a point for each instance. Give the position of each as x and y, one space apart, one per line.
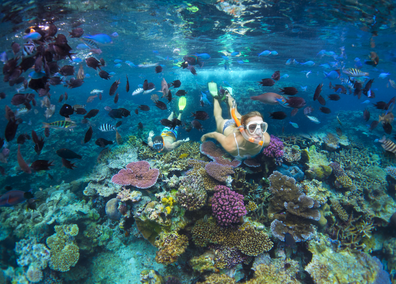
217 154
317 164
64 251
150 276
291 154
314 189
112 209
292 171
274 150
342 179
170 247
219 172
191 194
227 206
204 262
198 168
331 141
137 174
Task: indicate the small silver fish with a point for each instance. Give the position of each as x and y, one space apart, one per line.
313 119
137 91
148 91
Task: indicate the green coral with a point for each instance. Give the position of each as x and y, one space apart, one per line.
317 164
204 262
64 252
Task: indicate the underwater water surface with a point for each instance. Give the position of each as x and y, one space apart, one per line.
105 177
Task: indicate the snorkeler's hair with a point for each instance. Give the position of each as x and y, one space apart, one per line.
245 117
157 139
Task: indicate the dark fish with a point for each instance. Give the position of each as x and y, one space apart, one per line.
294 112
268 82
339 131
114 87
195 124
358 89
92 113
38 64
55 81
93 62
10 130
278 115
61 40
180 93
119 113
77 32
2 95
20 140
144 107
391 101
27 63
60 98
276 75
367 87
317 92
102 61
21 162
67 154
136 111
116 98
67 70
200 114
291 91
14 197
66 110
38 142
118 124
373 125
169 96
74 83
103 74
334 97
68 164
84 121
325 110
88 135
171 124
2 171
9 114
158 69
127 84
140 125
18 99
47 132
145 85
321 100
160 105
176 84
81 111
387 127
101 142
295 102
381 105
366 115
41 165
15 47
50 177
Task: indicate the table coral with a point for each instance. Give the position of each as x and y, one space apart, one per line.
227 206
219 172
64 251
217 154
170 247
137 174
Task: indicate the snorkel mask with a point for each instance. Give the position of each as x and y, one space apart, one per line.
158 144
252 127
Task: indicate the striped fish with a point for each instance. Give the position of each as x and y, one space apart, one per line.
106 127
29 48
90 43
388 145
353 72
60 124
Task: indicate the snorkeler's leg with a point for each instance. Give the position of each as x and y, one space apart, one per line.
179 116
170 117
230 100
217 112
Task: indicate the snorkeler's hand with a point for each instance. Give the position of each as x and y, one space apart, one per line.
186 140
203 138
151 134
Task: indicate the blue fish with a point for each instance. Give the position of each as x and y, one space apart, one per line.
235 53
112 73
203 55
326 66
87 75
295 125
155 51
33 36
332 75
274 52
130 64
284 76
240 62
99 38
304 88
321 53
4 57
140 85
205 98
36 75
289 61
366 102
225 66
115 34
117 60
118 65
77 60
82 46
225 57
282 102
308 63
265 53
358 63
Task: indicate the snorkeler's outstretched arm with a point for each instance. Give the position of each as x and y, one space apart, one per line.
176 144
225 142
150 138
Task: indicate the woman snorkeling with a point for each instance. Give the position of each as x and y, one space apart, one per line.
242 136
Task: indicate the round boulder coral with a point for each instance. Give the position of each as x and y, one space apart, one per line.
112 209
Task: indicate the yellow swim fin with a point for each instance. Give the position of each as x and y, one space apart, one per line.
182 103
212 86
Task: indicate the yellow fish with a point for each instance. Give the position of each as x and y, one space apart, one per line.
182 156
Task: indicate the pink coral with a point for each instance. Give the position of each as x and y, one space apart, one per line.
227 206
137 174
218 171
274 150
217 154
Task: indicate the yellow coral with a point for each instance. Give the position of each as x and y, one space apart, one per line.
218 279
168 209
269 274
205 262
168 201
251 206
171 246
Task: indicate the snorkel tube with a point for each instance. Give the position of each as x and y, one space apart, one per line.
242 128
